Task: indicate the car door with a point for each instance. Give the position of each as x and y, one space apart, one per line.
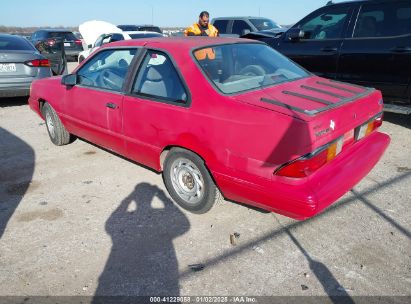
378 53
94 106
156 105
318 49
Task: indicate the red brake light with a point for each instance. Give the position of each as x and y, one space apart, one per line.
309 163
38 63
78 42
303 166
51 42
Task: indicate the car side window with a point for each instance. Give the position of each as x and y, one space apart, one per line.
107 69
326 24
158 78
384 20
221 25
240 27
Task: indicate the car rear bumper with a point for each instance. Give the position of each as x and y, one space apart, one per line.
15 89
304 198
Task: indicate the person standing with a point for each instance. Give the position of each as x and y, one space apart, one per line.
202 27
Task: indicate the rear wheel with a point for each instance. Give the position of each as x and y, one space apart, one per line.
57 132
188 181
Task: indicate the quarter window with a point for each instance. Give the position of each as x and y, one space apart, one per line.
158 78
107 69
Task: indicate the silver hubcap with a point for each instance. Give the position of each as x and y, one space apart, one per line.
187 180
50 125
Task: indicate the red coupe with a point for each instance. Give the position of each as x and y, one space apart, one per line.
220 115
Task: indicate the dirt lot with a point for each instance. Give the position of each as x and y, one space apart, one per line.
77 220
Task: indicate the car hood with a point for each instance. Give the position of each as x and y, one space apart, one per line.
91 30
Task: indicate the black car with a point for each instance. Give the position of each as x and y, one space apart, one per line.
72 45
367 42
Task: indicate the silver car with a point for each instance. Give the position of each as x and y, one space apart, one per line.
20 64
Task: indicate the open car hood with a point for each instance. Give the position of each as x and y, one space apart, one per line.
91 30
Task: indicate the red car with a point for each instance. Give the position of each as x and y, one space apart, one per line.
220 115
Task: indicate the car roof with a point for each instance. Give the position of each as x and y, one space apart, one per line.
359 1
180 43
54 30
241 17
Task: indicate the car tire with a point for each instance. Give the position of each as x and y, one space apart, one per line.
188 181
56 130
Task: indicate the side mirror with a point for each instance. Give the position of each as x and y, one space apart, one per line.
69 80
294 34
89 46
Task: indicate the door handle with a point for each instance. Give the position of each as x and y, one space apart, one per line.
329 49
111 105
401 49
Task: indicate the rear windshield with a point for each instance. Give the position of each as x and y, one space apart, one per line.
264 24
67 36
235 68
14 43
144 35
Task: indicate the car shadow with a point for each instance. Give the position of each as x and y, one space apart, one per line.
16 173
13 101
143 260
398 119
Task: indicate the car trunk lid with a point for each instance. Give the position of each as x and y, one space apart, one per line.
329 108
12 63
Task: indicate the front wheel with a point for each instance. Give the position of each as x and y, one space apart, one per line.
57 132
188 181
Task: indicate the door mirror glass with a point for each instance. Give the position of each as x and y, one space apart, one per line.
69 80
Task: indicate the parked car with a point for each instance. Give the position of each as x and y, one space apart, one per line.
112 37
238 26
20 64
72 45
220 114
363 42
142 27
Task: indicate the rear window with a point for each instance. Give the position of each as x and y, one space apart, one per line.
144 35
67 36
234 68
12 43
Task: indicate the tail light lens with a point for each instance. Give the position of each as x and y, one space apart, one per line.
38 63
309 163
51 42
78 42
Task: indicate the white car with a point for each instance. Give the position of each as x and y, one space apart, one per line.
98 33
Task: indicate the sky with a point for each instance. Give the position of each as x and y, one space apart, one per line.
163 13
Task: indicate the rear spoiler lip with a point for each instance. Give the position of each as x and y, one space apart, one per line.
366 92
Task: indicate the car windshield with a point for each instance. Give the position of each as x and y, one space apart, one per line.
15 43
264 24
234 68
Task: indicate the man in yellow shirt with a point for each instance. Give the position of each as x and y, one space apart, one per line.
202 28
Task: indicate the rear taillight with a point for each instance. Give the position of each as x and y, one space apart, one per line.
38 63
51 42
309 163
371 125
78 42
